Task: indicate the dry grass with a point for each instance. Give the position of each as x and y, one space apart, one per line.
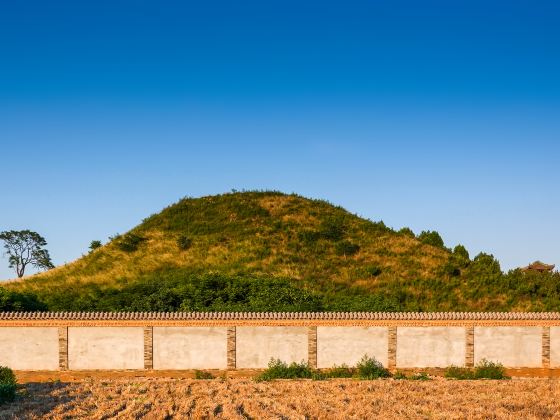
158 398
240 252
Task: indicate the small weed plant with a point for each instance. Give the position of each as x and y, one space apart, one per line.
202 374
184 242
8 385
417 376
420 376
399 375
458 372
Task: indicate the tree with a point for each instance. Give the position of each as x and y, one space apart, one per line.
407 232
23 248
431 238
461 252
94 245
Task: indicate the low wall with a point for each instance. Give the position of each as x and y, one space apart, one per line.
431 346
174 341
347 345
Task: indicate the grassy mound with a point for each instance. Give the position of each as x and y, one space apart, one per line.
234 251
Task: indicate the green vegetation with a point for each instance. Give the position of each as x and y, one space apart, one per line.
483 370
25 248
268 251
11 301
342 371
184 242
202 374
489 370
94 245
130 242
277 369
399 375
431 238
368 368
419 376
8 385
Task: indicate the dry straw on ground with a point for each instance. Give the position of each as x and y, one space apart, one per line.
158 398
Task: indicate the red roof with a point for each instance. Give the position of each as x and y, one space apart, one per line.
539 266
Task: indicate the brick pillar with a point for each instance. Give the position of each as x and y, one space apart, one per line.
231 344
312 347
392 356
545 347
63 348
148 347
469 346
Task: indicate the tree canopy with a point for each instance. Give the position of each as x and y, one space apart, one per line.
24 248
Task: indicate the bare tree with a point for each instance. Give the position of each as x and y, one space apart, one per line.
23 248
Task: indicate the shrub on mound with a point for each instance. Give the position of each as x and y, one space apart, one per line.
8 385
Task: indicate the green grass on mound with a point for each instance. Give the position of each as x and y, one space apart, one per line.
268 251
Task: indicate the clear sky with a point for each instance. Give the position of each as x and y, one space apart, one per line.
437 115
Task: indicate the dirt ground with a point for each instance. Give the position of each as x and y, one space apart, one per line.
243 398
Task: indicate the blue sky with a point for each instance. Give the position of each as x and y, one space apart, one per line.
434 115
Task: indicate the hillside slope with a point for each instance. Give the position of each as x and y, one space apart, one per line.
308 247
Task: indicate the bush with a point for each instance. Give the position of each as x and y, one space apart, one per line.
485 265
431 238
130 242
202 374
489 370
483 370
461 252
8 385
346 248
342 371
94 245
399 375
184 242
373 270
16 301
278 369
333 228
407 232
451 270
7 375
370 368
457 372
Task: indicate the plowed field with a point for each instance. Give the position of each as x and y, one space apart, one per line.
242 398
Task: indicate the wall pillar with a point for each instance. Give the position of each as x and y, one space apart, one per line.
63 348
392 355
546 347
469 344
231 348
312 347
148 347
